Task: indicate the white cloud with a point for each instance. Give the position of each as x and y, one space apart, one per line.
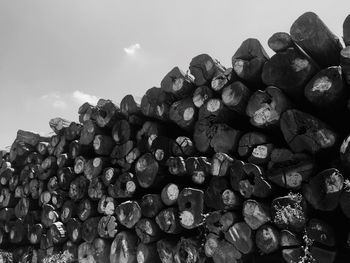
82 97
130 50
55 100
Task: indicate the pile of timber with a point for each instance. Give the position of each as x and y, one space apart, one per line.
243 164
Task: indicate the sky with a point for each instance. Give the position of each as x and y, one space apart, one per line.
56 55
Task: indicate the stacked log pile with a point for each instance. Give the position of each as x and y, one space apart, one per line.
242 164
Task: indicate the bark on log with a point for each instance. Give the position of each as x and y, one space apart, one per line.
147 253
204 68
199 169
191 207
313 36
266 107
156 103
267 239
240 235
184 113
89 229
176 166
96 189
103 145
65 176
68 211
235 96
166 250
188 251
148 231
89 131
290 71
280 42
48 215
255 213
345 63
304 132
289 170
128 106
78 188
58 233
107 114
151 205
324 190
146 170
223 79
201 95
86 209
177 83
128 213
123 248
249 60
168 221
74 230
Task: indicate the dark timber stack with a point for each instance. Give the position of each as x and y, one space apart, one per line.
248 163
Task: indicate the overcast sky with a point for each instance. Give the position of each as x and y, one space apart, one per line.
55 55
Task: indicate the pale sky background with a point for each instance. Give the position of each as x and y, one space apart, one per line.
57 54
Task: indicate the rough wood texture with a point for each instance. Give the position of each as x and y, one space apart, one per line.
177 83
313 36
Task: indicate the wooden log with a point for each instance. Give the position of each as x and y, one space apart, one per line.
204 68
148 231
280 42
146 170
219 196
313 36
52 184
106 205
177 83
220 164
249 180
44 198
61 147
201 95
107 114
198 168
289 212
235 97
58 233
248 61
170 194
156 103
166 250
89 229
209 136
148 132
289 170
255 147
7 198
291 246
223 79
327 90
161 148
219 221
73 131
123 131
226 252
122 150
125 186
54 140
13 182
151 205
184 113
109 175
266 107
191 207
63 160
96 189
323 245
18 193
216 110
58 197
346 31
103 144
255 213
108 227
147 253
74 230
68 211
123 248
290 71
128 106
89 131
7 214
211 244
345 63
78 188
86 209
17 235
86 252
35 233
323 190
76 149
168 221
87 112
48 215
58 125
188 251
71 250
240 235
183 147
176 165
267 239
24 205
128 213
65 176
18 153
304 132
102 250
42 148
